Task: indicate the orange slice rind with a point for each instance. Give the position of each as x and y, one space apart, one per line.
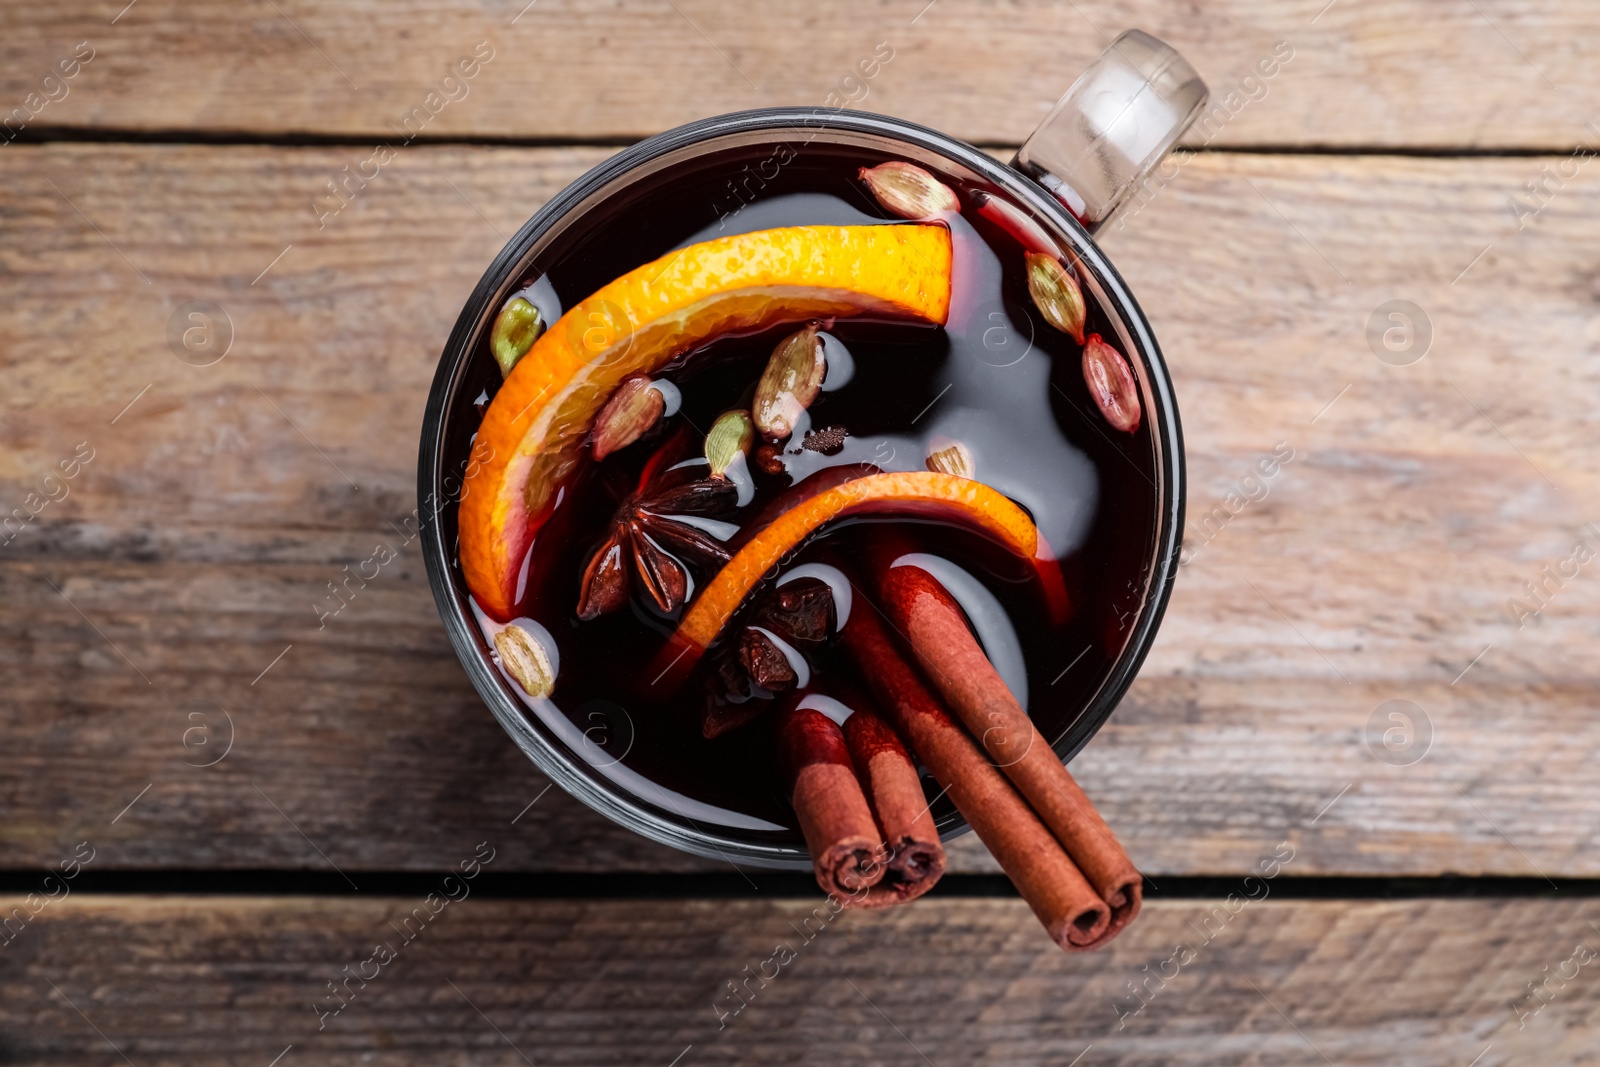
920 494
531 439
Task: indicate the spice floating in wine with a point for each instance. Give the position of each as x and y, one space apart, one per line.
681 474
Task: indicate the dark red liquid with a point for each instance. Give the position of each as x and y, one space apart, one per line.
998 378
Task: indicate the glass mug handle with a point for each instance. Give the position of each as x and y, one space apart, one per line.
1112 128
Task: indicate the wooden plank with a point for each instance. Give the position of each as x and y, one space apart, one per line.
1490 74
217 508
945 981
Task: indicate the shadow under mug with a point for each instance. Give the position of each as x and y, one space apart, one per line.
1094 150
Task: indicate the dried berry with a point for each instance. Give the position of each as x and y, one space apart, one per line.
1056 294
789 384
907 190
1111 384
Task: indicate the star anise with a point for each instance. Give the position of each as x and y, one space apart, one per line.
649 540
798 613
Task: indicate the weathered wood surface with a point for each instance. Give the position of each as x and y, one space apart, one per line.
219 504
1413 73
237 981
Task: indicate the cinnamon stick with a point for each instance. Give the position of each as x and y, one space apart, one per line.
834 815
1072 912
936 631
905 818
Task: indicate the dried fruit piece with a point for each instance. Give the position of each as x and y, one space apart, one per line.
1056 294
950 457
907 190
515 330
789 384
524 658
1111 384
729 438
632 410
829 440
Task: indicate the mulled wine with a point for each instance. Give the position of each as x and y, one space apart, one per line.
693 534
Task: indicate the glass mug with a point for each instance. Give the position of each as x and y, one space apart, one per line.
1096 147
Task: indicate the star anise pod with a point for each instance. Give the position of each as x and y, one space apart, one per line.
728 700
800 611
801 615
649 542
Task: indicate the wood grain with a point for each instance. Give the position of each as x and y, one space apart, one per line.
1413 73
943 981
191 549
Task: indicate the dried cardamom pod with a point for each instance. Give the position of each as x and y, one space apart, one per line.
729 438
524 658
632 410
1056 294
515 330
789 384
1111 384
950 457
907 190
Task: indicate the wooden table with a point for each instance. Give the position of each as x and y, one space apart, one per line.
158 607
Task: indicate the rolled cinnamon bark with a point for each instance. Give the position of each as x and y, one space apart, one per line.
834 816
894 792
936 631
1072 912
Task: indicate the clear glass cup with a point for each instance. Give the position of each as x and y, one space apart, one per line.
1110 130
1103 137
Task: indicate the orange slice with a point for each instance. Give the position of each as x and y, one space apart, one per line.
911 493
533 434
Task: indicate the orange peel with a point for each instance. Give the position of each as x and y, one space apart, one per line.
913 494
531 438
